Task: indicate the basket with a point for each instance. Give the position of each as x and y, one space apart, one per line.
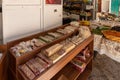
112 35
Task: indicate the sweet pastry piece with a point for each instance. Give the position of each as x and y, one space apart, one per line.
39 67
45 39
31 65
75 23
79 64
55 34
68 47
67 30
50 37
24 47
57 56
62 31
42 42
70 28
53 49
76 39
39 43
28 73
45 58
41 62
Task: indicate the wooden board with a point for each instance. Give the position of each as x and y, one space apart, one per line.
3 63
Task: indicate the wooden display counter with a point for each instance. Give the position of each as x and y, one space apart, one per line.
3 63
52 72
62 66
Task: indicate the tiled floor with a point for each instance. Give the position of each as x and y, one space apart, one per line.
104 68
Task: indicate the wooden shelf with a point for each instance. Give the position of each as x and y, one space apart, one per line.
16 61
64 61
3 63
54 69
50 72
85 74
69 6
70 72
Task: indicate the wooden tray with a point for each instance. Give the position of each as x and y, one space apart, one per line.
112 35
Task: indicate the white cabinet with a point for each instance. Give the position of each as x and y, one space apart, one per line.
52 16
23 17
20 21
22 2
12 2
31 2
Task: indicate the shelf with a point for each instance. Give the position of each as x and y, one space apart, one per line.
64 61
22 59
50 72
3 63
70 72
3 50
32 53
85 74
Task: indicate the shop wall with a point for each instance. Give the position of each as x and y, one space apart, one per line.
20 21
52 14
26 17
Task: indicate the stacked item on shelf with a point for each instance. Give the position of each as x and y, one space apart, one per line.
67 46
45 59
57 51
76 39
33 67
27 46
55 34
108 16
46 38
75 23
80 61
30 45
78 7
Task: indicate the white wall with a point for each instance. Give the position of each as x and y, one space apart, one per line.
105 5
21 19
52 18
24 17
